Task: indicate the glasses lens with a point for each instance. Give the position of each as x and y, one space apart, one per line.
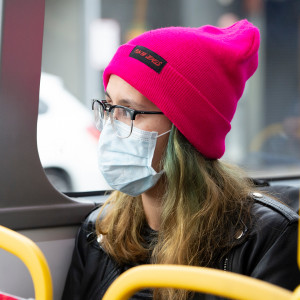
99 115
121 121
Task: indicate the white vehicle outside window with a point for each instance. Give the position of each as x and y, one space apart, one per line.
67 139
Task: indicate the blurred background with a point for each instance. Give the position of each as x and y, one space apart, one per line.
80 37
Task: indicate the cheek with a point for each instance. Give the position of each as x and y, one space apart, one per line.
160 148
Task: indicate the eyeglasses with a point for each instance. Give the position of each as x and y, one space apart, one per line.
121 117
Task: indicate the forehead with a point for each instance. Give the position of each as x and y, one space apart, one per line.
118 90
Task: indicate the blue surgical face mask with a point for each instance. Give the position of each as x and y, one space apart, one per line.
126 164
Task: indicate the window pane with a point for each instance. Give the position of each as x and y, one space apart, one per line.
80 38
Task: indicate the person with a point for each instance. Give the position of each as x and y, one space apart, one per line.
171 94
278 144
283 146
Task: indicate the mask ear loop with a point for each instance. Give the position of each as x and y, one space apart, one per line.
169 140
164 133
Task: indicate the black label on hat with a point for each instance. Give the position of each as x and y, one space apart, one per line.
149 58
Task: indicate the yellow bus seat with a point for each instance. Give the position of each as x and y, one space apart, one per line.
26 250
198 279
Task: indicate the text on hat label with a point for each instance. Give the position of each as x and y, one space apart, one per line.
148 57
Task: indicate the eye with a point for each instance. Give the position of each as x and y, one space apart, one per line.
126 113
121 114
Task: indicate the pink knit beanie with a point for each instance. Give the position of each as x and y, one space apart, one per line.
194 75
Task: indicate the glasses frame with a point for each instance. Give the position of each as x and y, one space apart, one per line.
132 112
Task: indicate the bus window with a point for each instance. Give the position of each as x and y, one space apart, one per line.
78 44
50 71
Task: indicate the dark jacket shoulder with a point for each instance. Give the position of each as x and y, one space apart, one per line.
269 252
264 204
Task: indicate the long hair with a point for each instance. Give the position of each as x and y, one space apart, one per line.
206 202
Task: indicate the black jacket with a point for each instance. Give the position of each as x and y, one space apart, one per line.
268 252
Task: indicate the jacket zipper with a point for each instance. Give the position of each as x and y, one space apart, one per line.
225 264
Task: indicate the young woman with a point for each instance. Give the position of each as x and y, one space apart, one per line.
171 94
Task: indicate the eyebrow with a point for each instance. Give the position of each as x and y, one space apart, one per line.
128 102
107 94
